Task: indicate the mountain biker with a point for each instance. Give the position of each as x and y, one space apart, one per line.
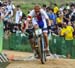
40 20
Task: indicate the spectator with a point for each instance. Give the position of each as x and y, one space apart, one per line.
44 7
67 32
18 14
10 6
1 13
56 9
18 17
74 30
66 17
62 7
52 18
67 6
72 15
59 20
0 3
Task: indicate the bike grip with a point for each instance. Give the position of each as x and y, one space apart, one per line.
49 27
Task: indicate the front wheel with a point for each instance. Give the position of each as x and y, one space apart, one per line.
42 51
43 58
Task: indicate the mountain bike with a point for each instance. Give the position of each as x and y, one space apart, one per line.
40 45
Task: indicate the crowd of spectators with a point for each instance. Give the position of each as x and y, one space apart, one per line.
63 23
11 16
62 19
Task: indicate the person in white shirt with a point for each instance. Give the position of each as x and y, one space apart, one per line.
1 13
10 6
18 15
40 20
18 18
72 15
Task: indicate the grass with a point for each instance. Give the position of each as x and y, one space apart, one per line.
27 5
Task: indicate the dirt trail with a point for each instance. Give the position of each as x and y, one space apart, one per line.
51 63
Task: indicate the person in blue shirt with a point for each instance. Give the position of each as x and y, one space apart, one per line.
51 16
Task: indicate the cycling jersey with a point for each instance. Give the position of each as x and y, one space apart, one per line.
39 19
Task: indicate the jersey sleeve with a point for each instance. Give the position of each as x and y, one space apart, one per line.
30 15
44 13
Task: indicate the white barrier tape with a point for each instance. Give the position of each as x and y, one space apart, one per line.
3 58
3 55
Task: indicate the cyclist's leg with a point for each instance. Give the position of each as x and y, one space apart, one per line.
31 39
46 39
45 33
46 42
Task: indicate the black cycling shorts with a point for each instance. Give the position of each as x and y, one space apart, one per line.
30 32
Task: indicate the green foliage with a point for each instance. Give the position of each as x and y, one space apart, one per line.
27 5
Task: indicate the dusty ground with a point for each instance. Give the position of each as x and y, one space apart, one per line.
51 63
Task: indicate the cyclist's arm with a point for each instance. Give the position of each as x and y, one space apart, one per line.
30 15
49 23
29 18
46 17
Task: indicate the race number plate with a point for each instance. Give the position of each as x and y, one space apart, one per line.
38 32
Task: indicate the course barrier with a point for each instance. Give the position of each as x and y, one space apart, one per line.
21 43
